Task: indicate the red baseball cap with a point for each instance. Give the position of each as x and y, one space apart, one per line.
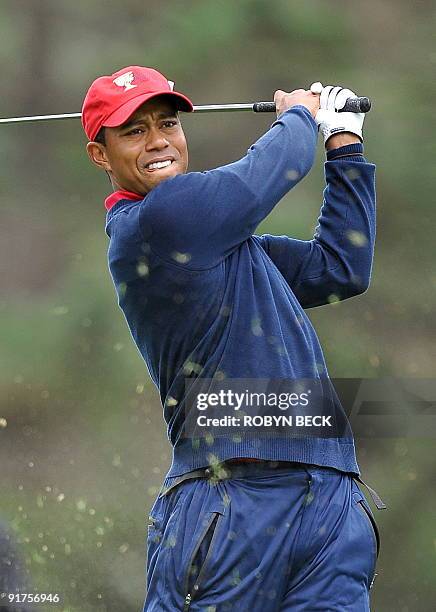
111 100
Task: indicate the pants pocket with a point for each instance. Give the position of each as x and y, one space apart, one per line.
162 514
365 511
369 516
196 570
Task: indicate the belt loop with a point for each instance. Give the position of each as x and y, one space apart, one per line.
201 473
374 495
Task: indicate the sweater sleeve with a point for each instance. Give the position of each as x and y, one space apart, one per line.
336 264
195 220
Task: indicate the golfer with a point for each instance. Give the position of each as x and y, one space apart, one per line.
246 520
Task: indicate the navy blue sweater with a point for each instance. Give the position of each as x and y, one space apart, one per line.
203 295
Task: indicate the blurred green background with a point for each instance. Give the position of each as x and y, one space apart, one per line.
83 448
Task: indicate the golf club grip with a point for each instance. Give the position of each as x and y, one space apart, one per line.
352 105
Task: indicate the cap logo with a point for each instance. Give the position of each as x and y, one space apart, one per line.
171 84
125 80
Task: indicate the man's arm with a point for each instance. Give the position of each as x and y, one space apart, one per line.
336 263
194 220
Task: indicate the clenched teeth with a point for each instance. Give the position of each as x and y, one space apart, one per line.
158 165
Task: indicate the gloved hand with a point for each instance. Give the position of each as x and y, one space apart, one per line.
331 122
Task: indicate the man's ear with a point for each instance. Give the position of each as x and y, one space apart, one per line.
97 154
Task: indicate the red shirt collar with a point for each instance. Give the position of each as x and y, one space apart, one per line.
121 194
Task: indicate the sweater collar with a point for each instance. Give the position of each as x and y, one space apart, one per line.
121 194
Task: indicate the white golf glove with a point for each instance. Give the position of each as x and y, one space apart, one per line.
331 122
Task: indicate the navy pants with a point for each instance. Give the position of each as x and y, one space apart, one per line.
262 539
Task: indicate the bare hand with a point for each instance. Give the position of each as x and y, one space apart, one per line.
285 100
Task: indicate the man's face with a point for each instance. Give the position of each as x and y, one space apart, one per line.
152 134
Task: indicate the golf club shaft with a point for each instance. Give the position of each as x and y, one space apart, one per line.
354 105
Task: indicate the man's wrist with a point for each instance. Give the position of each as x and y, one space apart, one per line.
352 152
341 140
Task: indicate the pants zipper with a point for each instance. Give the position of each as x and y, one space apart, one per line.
187 602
